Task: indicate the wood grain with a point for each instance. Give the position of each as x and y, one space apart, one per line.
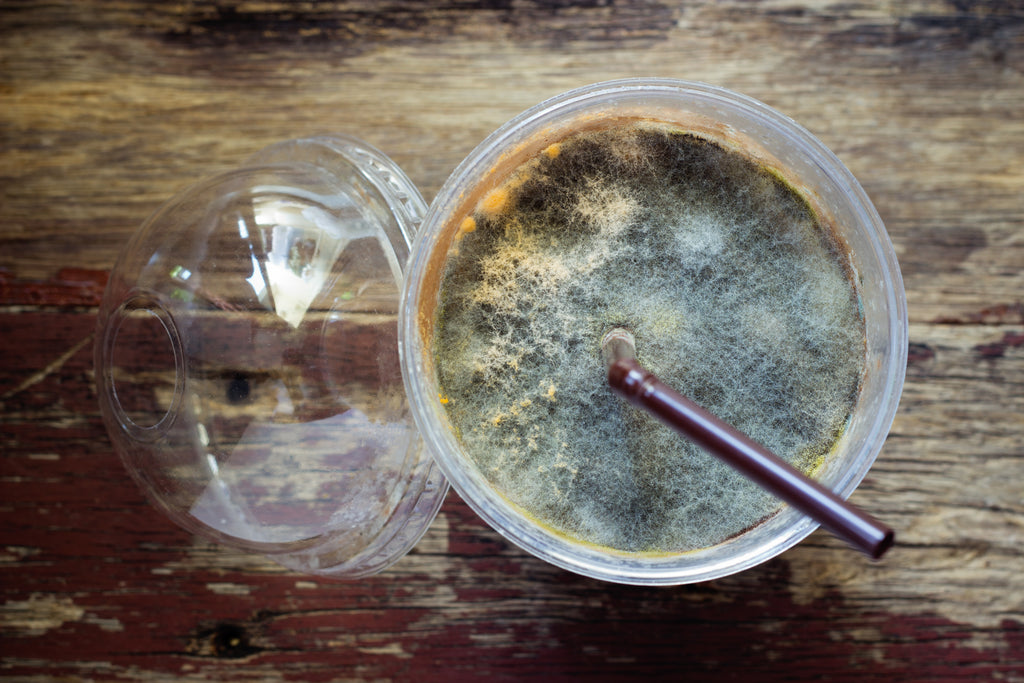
107 108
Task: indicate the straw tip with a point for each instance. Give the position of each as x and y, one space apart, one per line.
619 343
880 548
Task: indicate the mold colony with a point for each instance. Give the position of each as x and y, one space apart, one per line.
738 297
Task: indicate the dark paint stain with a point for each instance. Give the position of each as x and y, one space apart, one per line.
951 26
238 389
999 314
919 353
224 640
969 22
1010 340
353 28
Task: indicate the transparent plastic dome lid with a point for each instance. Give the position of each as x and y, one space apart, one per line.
247 360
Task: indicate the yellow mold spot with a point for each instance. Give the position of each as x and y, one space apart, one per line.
468 225
443 399
553 150
495 201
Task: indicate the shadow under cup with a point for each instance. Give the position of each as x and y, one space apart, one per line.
735 122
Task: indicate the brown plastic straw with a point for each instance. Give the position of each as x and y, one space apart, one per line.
641 388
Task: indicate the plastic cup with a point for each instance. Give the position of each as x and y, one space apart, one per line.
736 122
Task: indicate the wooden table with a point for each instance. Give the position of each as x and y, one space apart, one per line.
109 108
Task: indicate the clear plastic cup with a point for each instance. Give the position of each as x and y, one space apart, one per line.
736 122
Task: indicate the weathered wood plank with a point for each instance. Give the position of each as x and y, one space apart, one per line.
102 139
108 108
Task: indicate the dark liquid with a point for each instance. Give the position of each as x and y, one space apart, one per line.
737 295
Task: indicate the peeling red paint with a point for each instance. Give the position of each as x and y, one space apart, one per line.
69 287
998 349
919 353
999 314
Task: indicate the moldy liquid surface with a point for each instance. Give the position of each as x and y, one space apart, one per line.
737 295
